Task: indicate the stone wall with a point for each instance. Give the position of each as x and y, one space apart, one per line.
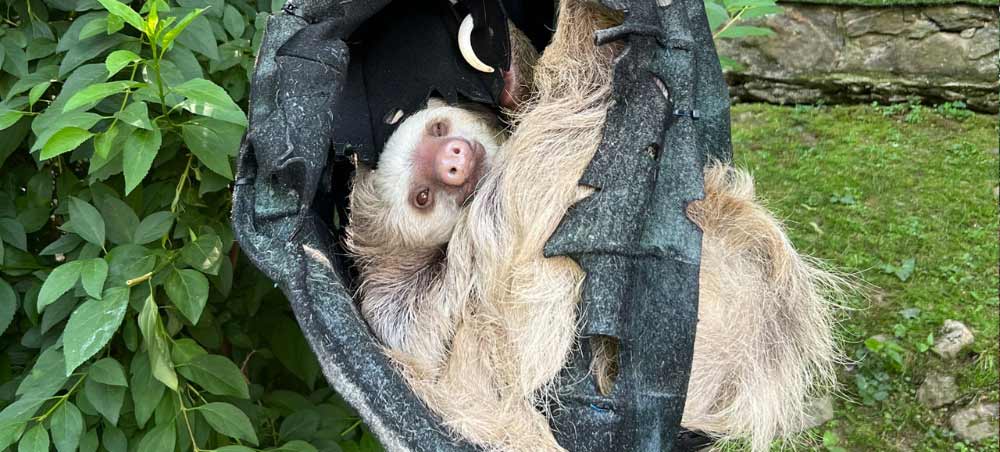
850 54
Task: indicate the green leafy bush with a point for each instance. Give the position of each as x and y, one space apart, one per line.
726 17
129 319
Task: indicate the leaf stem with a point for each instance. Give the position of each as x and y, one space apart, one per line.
195 391
180 185
184 410
141 279
730 22
131 78
159 77
352 427
61 400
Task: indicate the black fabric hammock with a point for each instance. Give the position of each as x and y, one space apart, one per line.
640 253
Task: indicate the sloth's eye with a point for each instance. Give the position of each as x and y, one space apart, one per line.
438 128
422 199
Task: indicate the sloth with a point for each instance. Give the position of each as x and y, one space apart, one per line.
447 234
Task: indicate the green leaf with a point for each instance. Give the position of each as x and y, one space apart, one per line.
87 221
129 261
12 232
136 114
92 325
301 425
119 59
92 275
108 371
45 377
9 117
41 46
368 443
146 389
233 21
218 375
186 350
292 350
115 24
8 304
123 11
200 37
156 344
35 440
717 14
60 281
741 31
236 448
160 439
729 64
50 123
213 142
121 221
114 439
36 92
188 289
57 312
66 427
107 400
761 11
92 94
88 443
93 28
63 141
208 99
172 34
16 61
298 446
153 227
88 49
140 151
204 254
228 420
15 418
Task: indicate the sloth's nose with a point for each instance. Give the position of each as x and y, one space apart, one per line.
455 162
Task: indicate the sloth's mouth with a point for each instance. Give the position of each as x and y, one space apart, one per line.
481 164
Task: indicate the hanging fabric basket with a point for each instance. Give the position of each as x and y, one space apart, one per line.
641 255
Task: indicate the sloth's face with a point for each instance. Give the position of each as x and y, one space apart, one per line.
430 167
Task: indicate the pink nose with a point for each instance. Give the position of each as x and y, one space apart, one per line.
454 162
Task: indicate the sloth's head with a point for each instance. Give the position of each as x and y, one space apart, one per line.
428 169
430 166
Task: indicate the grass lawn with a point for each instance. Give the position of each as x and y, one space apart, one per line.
905 198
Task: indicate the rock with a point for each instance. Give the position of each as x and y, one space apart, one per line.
889 21
954 336
921 28
987 42
976 422
818 412
959 17
937 390
881 337
855 54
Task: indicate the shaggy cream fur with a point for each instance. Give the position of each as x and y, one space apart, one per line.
480 327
